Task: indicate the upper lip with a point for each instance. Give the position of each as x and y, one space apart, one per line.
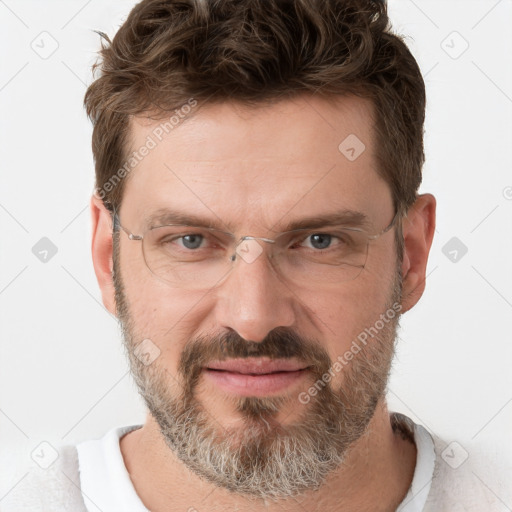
257 365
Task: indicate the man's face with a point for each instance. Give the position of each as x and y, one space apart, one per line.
230 387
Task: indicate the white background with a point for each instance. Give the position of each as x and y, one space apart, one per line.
63 376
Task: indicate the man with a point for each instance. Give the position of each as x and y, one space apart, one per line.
257 231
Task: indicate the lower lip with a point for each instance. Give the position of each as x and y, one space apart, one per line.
254 385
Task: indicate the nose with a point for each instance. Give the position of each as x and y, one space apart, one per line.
253 299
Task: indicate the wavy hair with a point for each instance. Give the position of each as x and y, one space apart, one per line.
254 52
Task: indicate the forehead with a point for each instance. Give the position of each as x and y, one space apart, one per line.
258 166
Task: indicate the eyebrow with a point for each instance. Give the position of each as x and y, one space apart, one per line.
349 218
167 216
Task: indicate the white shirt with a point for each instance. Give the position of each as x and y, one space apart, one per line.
106 484
467 478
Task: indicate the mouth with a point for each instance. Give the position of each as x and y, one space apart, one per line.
256 377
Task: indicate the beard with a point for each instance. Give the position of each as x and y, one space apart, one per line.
262 457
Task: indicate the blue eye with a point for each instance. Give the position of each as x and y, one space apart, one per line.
320 240
192 241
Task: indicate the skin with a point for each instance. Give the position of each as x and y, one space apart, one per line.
256 170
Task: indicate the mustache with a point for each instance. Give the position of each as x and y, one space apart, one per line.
280 343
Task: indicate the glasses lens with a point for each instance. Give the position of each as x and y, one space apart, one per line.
315 258
195 258
199 258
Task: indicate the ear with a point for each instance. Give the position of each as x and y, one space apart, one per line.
102 251
418 230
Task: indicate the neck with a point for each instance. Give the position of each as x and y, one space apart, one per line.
376 475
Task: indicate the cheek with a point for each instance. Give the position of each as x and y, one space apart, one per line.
341 315
154 306
168 317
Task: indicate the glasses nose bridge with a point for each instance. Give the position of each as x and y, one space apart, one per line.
262 238
242 239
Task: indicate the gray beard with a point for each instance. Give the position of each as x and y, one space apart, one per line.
263 458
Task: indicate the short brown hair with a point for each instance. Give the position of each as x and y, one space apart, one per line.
257 51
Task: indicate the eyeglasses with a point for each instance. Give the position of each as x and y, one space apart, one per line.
200 257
